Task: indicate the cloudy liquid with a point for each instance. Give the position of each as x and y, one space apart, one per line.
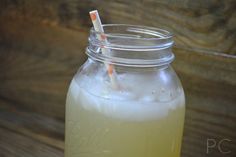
99 127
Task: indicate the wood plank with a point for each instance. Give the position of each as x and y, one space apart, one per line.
210 87
202 124
208 25
13 144
206 73
29 134
40 128
36 71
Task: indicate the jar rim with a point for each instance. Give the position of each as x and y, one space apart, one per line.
131 45
158 33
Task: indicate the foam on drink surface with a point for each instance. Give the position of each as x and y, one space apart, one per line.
136 100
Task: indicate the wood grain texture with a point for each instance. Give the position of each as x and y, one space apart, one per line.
32 125
13 144
28 134
41 49
37 63
210 87
205 25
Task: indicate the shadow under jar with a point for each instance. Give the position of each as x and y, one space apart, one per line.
126 100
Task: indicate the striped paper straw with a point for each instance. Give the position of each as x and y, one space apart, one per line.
97 24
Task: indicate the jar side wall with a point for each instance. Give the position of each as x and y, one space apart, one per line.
161 80
97 115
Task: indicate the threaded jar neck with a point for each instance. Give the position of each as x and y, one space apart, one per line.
131 45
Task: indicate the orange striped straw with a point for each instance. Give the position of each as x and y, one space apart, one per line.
97 24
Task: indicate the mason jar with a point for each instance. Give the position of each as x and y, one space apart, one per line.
126 100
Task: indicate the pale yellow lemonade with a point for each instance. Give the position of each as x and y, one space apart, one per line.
103 123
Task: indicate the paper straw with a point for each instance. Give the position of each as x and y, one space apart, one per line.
97 24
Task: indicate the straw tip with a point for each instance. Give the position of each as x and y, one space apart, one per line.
93 15
93 11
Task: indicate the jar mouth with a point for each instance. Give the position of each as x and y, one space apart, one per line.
155 33
131 45
132 37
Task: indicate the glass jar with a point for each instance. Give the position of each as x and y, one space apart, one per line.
126 100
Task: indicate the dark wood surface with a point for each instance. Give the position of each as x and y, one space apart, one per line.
27 134
42 45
